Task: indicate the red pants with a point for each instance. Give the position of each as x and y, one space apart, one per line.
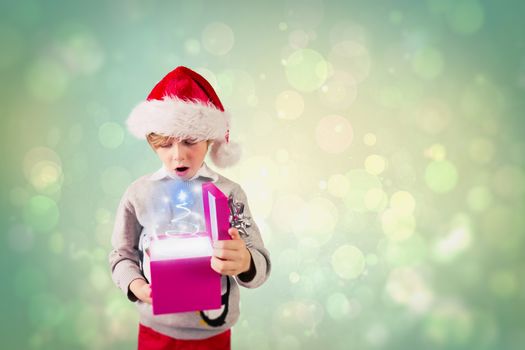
153 340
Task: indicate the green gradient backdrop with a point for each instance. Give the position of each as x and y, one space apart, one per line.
384 161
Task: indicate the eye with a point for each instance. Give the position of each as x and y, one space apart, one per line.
190 142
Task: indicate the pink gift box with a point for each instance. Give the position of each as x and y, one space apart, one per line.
181 275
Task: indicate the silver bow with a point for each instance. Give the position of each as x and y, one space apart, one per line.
238 219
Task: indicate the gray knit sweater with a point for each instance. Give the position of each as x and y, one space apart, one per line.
142 211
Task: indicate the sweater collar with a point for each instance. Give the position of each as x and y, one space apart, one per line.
203 171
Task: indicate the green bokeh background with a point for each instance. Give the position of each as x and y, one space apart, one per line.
383 158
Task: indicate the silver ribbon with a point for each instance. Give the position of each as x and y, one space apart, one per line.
238 218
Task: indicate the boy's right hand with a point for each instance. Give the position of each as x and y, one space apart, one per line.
141 289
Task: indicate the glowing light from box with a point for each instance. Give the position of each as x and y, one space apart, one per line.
187 221
187 247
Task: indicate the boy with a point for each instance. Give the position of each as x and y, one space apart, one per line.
181 118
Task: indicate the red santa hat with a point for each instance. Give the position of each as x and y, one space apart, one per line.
184 105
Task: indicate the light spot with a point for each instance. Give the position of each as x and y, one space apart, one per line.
286 211
339 91
348 262
433 116
289 105
338 185
375 199
371 259
395 17
46 177
259 169
360 182
456 241
298 314
479 198
406 286
110 135
436 152
377 335
294 277
236 86
352 57
217 38
403 202
79 50
346 30
369 139
441 176
375 164
337 306
192 46
397 225
37 155
306 70
298 39
334 134
466 17
41 213
316 221
449 325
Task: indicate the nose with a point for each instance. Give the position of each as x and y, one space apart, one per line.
177 152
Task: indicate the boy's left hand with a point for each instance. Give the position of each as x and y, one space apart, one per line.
231 257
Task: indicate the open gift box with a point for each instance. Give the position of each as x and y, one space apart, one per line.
180 265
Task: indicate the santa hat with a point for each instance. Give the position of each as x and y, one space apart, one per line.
184 105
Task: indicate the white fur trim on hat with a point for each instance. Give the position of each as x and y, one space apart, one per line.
225 154
172 116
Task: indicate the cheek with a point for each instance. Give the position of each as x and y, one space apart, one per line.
203 152
163 155
198 153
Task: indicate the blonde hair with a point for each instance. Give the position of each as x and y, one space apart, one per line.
156 140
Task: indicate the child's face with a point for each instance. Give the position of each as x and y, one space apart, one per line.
182 157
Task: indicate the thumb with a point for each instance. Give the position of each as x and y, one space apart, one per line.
234 233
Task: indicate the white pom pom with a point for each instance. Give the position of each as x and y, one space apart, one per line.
225 154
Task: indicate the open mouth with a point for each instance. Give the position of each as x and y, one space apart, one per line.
182 170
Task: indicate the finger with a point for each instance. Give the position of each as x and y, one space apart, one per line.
224 267
226 254
231 245
234 233
217 264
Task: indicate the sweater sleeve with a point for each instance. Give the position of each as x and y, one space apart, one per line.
124 258
260 256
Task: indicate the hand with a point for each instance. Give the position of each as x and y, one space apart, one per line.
141 289
231 257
